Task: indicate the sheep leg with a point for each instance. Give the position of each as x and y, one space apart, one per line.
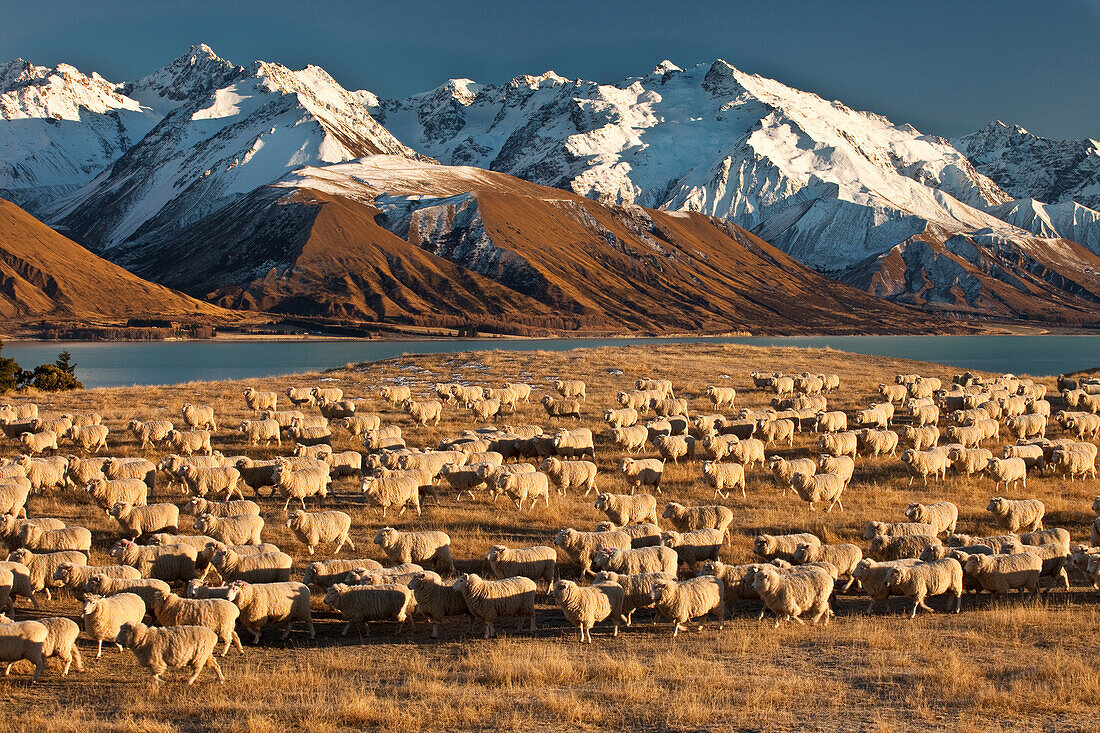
99 649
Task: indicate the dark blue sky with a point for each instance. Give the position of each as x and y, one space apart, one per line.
946 66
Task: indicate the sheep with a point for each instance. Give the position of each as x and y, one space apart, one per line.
843 466
298 484
437 600
537 563
782 469
938 550
103 616
419 547
1002 544
1073 463
80 471
670 407
200 417
138 520
523 391
720 396
263 567
60 642
570 388
44 473
1055 535
570 474
106 493
890 547
90 438
1054 557
218 615
896 529
240 529
1001 573
838 444
628 509
13 499
587 606
920 438
782 546
75 576
335 409
646 473
925 416
187 442
359 424
489 600
527 485
819 487
197 506
169 563
464 479
101 584
689 519
1025 515
943 515
877 442
258 401
25 640
359 604
403 492
583 547
969 461
575 443
561 407
325 574
637 589
1026 426
640 400
261 430
893 392
927 579
724 476
1084 426
395 394
34 537
631 439
423 413
313 529
641 535
176 646
789 596
843 557
301 396
484 410
117 469
310 434
783 385
264 603
696 546
11 527
872 577
682 601
830 422
39 442
747 452
924 463
772 431
658 559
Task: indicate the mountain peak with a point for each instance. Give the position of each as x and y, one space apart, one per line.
665 67
194 74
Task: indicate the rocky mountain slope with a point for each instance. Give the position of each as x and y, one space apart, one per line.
43 274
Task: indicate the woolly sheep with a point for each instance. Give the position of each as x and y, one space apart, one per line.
872 577
658 559
682 601
748 452
402 492
218 615
1002 573
646 473
169 562
877 442
13 498
695 546
537 563
106 493
362 603
1026 426
44 473
789 596
39 442
438 600
264 603
177 646
519 487
1001 544
969 461
197 506
90 439
689 519
896 529
425 412
1024 515
561 407
830 422
781 546
1074 464
100 584
335 409
395 394
138 520
241 529
570 388
783 468
943 515
626 509
641 535
631 439
419 547
1055 535
309 434
1054 557
920 438
257 400
264 567
843 466
258 431
298 484
198 416
587 606
724 476
315 528
75 577
924 463
583 547
116 469
576 443
843 557
489 600
720 396
187 442
567 475
821 487
927 579
24 640
33 537
327 573
103 617
887 547
838 444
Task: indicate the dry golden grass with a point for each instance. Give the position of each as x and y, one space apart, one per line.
1015 665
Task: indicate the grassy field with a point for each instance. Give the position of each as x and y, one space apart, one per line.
1013 665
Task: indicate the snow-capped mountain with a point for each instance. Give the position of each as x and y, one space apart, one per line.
59 128
1029 166
227 131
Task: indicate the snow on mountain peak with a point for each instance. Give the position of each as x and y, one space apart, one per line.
665 67
195 74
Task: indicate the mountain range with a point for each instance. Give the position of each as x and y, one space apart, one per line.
674 200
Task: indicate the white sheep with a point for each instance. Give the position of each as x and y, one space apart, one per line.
310 434
696 546
637 589
927 579
782 546
843 466
145 588
838 444
90 438
625 509
241 529
39 442
103 617
419 547
315 528
169 563
844 557
107 493
724 476
583 547
264 603
335 409
75 577
920 438
261 567
33 537
783 468
877 442
567 475
138 520
587 606
325 574
218 615
659 559
489 600
631 439
519 487
175 646
403 492
969 461
646 473
258 401
197 506
198 416
258 431
887 547
187 442
425 412
361 603
1073 463
820 487
623 417
1024 515
561 407
682 601
60 642
689 519
943 515
301 483
872 577
1001 573
925 463
44 473
538 563
24 640
896 529
438 600
788 596
720 396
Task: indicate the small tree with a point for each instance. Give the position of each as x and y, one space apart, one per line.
57 377
10 371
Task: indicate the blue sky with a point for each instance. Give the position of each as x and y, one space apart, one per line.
947 67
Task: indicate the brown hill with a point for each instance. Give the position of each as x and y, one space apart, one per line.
391 239
43 274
